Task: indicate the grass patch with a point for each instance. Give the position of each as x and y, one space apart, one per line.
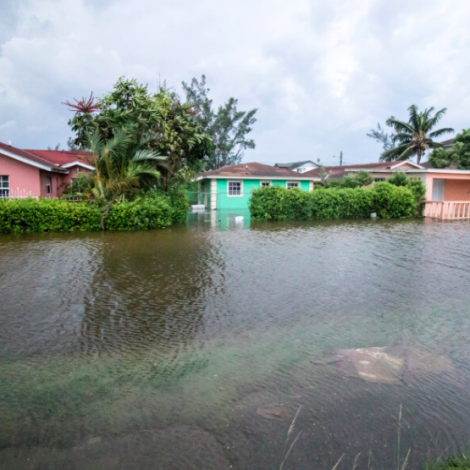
454 461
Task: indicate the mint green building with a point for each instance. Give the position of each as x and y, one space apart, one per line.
229 188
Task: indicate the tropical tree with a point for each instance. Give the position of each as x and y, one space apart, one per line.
415 137
458 154
383 137
120 167
175 132
228 127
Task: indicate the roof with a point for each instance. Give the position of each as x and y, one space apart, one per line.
294 164
447 143
50 160
63 157
253 170
340 171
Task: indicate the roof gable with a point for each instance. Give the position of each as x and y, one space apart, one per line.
49 160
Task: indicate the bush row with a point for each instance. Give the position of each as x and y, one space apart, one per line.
386 200
54 215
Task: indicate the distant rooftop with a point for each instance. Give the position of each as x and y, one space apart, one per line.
253 169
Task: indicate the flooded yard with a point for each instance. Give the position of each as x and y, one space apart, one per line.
219 345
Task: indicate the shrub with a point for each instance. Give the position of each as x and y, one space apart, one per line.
54 215
47 215
270 203
393 202
415 185
277 203
399 179
143 214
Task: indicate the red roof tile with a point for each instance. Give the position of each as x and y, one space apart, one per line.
62 157
50 158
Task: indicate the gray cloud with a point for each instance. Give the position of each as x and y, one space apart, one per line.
321 73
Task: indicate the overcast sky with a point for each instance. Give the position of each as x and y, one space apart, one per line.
321 72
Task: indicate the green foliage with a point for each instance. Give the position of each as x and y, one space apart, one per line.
458 154
177 199
442 158
47 215
415 185
393 202
171 127
415 137
54 215
399 179
144 214
360 179
278 203
452 462
227 126
381 136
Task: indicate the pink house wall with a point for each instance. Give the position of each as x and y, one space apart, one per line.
457 190
22 177
456 187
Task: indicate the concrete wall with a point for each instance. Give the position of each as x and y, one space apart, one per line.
22 177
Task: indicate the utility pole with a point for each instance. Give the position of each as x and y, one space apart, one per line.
340 158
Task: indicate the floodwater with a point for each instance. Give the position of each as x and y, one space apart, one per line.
202 346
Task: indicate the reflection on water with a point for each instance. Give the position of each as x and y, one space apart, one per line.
194 347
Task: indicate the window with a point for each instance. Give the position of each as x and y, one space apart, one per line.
4 187
235 188
263 184
48 185
293 184
377 180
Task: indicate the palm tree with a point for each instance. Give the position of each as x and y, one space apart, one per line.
415 137
120 165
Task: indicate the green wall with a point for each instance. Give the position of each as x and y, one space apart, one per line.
241 203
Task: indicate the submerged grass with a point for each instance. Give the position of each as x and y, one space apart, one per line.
461 461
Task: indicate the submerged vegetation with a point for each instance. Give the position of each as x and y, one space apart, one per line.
387 200
149 211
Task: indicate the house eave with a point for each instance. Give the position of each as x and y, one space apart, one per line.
77 163
269 178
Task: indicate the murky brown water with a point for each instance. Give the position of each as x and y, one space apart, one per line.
193 348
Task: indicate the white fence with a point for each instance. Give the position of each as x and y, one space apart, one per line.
18 194
448 210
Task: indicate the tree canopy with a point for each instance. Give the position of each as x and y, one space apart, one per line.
383 137
458 154
228 127
415 137
170 127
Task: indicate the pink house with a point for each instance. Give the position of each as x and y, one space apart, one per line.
39 173
447 190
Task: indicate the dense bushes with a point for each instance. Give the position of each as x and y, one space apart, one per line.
278 203
54 215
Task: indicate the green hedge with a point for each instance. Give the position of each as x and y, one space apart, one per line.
54 215
278 203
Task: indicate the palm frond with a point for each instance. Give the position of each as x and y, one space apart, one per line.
438 133
400 126
414 116
145 154
437 117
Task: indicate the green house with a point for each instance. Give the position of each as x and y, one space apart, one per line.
229 188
